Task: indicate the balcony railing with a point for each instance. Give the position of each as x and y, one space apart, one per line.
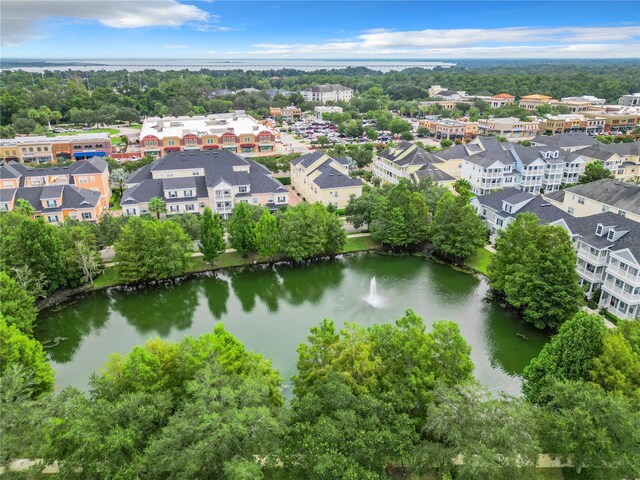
624 275
591 276
627 297
590 257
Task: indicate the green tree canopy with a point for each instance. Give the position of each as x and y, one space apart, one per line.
267 238
16 305
595 171
241 228
212 241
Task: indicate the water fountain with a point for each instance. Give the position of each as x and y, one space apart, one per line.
373 298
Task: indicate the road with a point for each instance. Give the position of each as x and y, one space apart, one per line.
293 145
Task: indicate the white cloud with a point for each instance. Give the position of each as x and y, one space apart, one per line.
21 19
516 42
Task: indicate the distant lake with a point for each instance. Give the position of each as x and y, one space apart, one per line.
136 65
271 309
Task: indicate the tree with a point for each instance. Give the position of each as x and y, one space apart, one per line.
241 228
595 171
20 351
457 230
267 239
592 429
399 126
89 261
617 368
16 305
212 241
109 228
568 356
23 207
359 210
157 206
35 244
151 250
423 131
190 223
117 180
445 143
493 437
534 268
371 133
335 235
462 187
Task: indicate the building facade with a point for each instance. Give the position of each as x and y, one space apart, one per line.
632 100
286 114
450 129
38 149
327 93
407 161
571 122
531 102
319 178
509 127
234 132
188 182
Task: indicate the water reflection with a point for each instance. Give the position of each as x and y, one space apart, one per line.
257 282
216 290
160 310
311 282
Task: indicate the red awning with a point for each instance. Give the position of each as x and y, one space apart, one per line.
171 149
211 147
247 145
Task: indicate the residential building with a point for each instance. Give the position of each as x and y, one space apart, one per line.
530 169
531 102
607 245
571 122
319 178
632 100
327 93
447 128
445 104
273 92
408 161
320 109
286 114
607 195
509 127
189 181
40 149
610 160
568 141
629 153
235 132
79 191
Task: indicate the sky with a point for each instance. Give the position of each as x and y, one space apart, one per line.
138 29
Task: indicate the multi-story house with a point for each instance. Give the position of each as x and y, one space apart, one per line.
407 161
319 178
632 100
38 149
607 245
190 181
235 132
327 93
607 195
508 127
79 191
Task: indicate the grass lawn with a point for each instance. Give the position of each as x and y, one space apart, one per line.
107 279
110 131
480 260
356 244
114 204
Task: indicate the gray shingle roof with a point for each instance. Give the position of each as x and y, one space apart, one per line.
566 140
595 152
625 196
180 182
7 171
622 149
7 194
434 173
72 197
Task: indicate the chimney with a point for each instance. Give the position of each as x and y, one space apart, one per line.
159 126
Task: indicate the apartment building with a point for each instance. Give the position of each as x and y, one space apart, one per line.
286 114
607 245
407 161
632 100
447 128
531 102
317 177
189 181
530 169
235 132
629 153
40 149
327 93
607 195
568 141
79 191
509 127
571 122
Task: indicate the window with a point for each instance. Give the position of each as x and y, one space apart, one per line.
571 210
605 208
499 222
247 139
82 179
171 142
622 213
599 230
209 141
282 199
242 189
611 234
174 208
86 215
190 207
172 194
188 193
52 218
52 203
4 207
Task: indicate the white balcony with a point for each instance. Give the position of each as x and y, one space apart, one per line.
592 277
627 297
591 258
624 275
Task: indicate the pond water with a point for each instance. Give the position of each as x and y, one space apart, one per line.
271 309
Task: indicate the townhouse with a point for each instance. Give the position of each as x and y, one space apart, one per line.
606 195
510 128
235 132
317 177
189 181
327 93
607 245
530 169
78 191
629 154
40 149
407 161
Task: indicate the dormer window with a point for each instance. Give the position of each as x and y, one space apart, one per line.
599 230
52 203
611 235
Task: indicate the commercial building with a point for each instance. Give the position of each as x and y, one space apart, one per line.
446 128
572 122
286 114
531 102
607 245
79 191
590 99
235 132
407 161
40 149
319 178
632 100
190 181
617 119
509 127
607 195
327 93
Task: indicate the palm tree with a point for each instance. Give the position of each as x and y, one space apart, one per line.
157 206
56 116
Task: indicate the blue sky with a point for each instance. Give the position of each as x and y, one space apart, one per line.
307 29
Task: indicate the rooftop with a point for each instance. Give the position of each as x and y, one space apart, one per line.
622 195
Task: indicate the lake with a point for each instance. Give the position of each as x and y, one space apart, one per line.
271 309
